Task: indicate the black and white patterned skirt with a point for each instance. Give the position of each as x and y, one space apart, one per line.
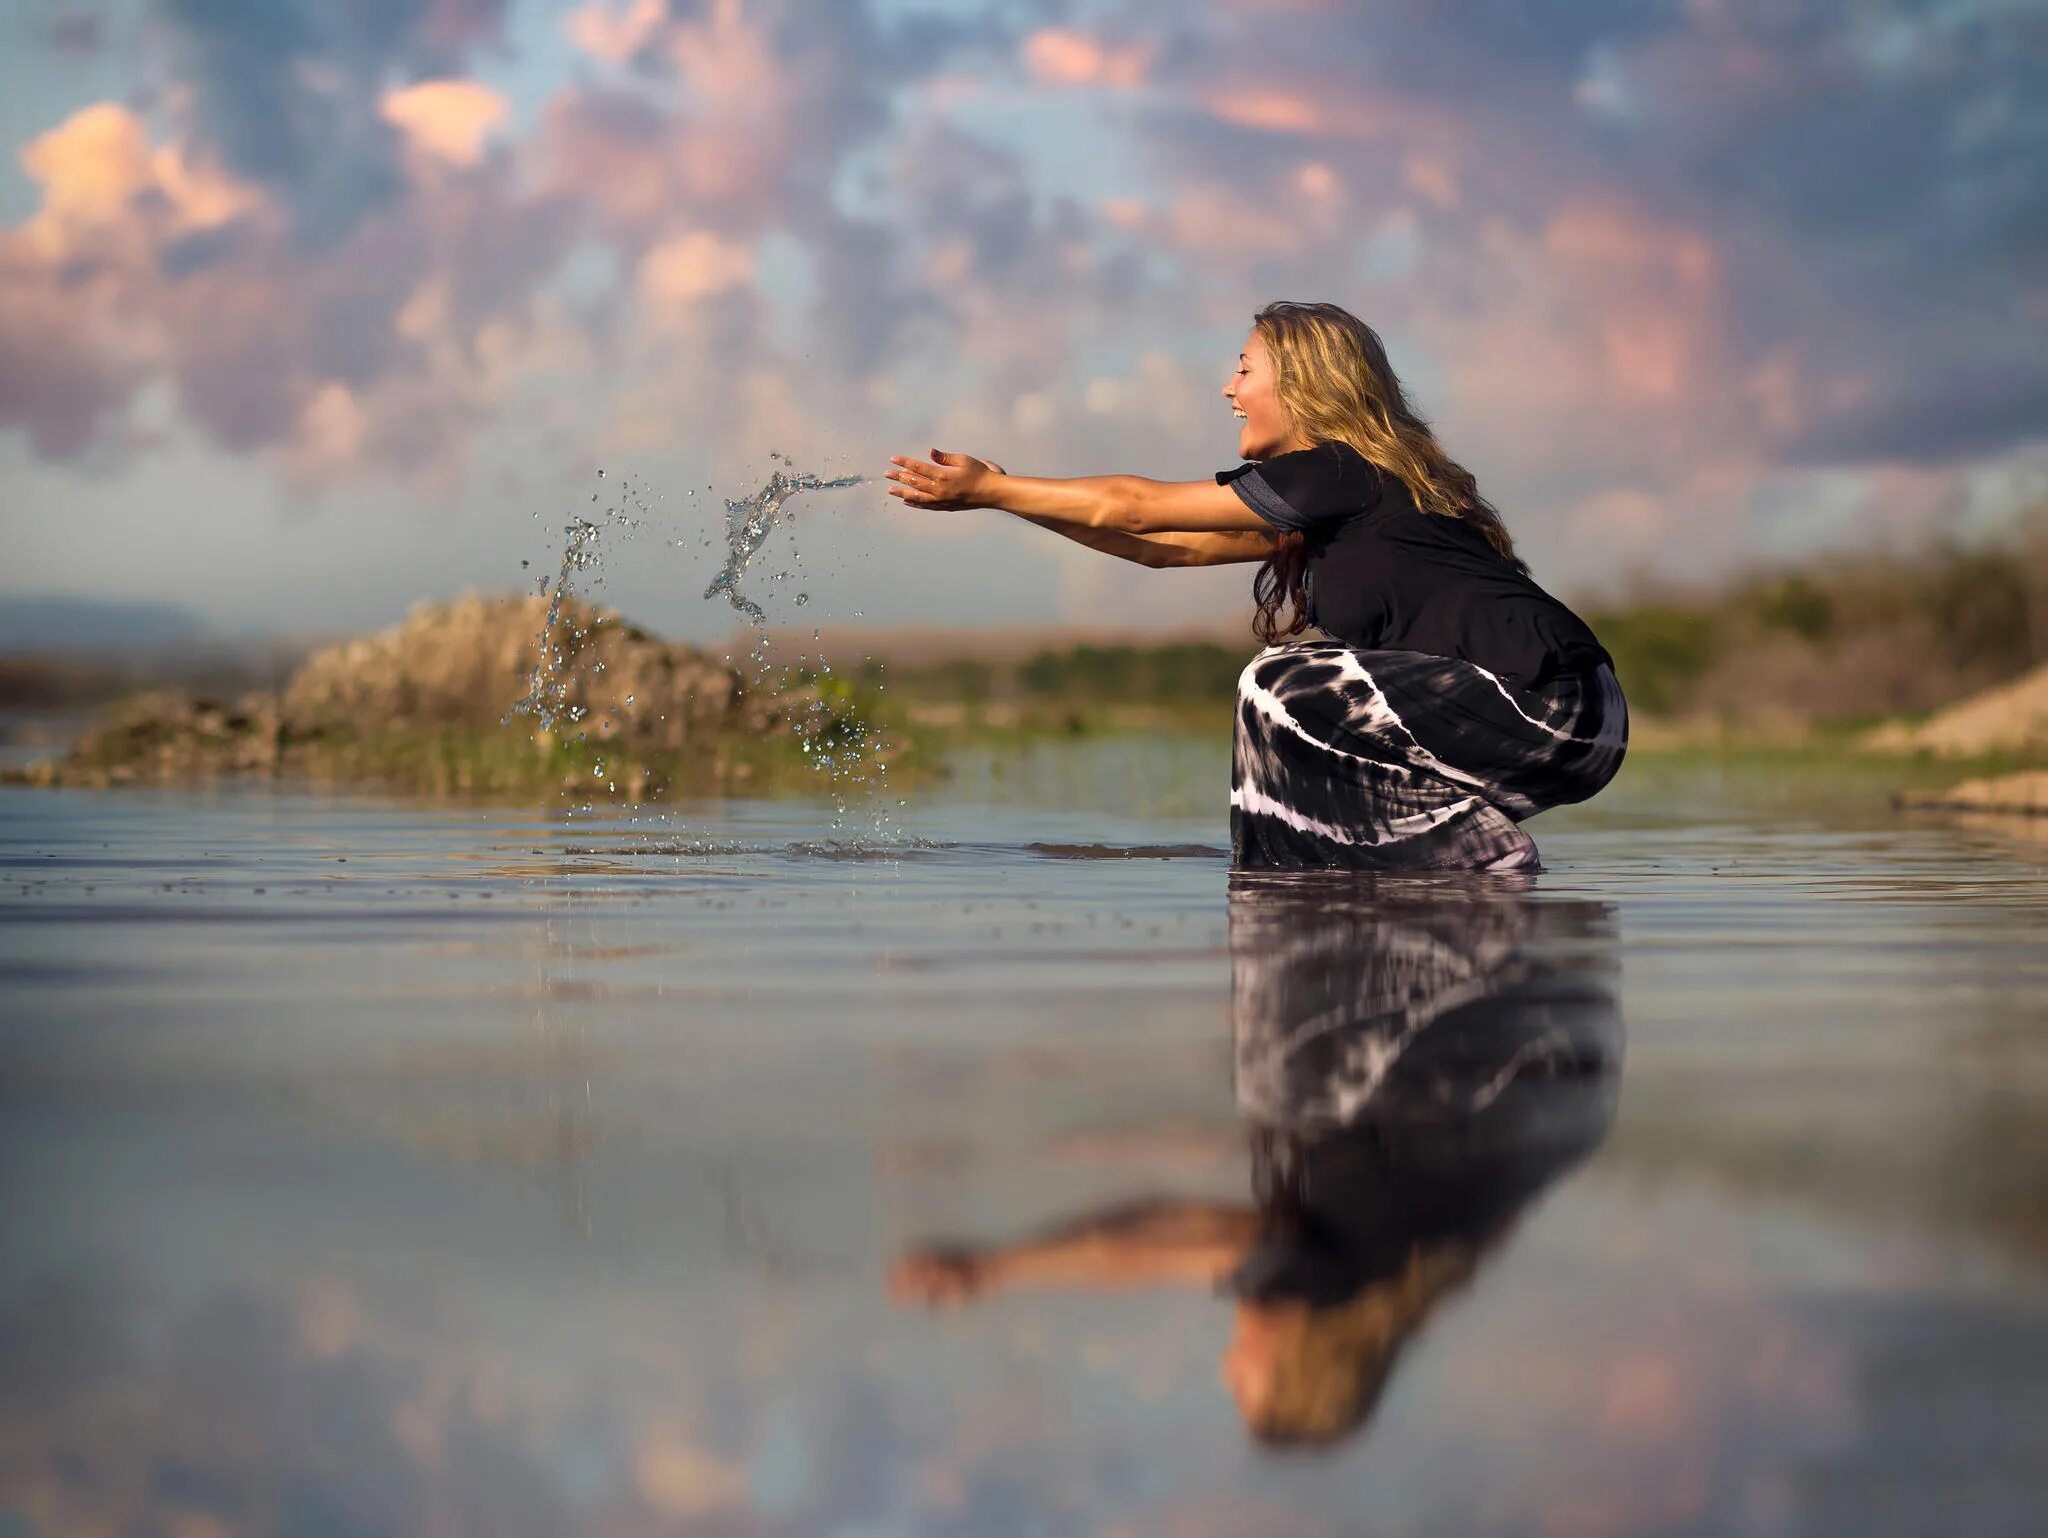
1394 760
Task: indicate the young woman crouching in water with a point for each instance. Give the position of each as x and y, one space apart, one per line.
1448 699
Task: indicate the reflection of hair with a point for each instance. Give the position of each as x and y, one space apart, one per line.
1329 1364
1329 1356
1331 374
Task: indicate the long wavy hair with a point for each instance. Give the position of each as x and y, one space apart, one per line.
1330 1362
1331 374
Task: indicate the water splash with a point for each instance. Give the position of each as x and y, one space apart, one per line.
547 690
820 708
749 522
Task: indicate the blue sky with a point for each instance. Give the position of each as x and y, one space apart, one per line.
309 311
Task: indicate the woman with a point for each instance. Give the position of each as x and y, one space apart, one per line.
1415 1068
1449 697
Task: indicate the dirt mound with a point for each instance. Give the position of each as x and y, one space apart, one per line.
469 661
592 701
2010 718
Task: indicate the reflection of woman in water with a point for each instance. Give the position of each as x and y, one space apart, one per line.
1448 699
1414 1071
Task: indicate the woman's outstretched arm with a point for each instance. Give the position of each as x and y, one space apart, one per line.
1119 504
1144 1243
1163 549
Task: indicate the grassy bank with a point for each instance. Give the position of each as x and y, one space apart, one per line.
1780 670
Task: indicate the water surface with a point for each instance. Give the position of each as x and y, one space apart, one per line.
373 1168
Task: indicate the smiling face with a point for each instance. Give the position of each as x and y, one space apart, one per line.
1265 429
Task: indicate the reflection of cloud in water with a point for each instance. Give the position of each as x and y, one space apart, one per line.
347 1332
1606 1403
230 1417
249 1413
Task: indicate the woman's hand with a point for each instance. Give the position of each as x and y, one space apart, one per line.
949 482
937 1277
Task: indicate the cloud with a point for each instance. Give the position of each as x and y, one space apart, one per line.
75 34
149 261
1065 56
77 331
287 93
615 32
1620 249
689 267
1631 250
1972 410
446 118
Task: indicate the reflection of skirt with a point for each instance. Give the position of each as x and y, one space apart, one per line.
1386 760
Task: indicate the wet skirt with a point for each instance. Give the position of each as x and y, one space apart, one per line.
1393 760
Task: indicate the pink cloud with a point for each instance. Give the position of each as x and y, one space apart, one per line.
79 328
1065 56
1601 329
724 152
145 261
689 267
1431 177
1298 111
447 119
615 32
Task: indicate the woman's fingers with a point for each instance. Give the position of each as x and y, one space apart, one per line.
921 483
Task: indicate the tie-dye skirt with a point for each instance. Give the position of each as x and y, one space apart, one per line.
1392 760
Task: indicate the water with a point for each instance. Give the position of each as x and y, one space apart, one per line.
374 1168
749 521
849 755
547 691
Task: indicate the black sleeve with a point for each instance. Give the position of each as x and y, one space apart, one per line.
1306 488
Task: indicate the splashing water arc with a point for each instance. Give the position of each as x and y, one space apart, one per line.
749 521
546 695
845 750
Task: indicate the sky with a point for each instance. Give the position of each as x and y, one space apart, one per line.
309 311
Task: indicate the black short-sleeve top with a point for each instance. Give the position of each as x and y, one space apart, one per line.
1383 575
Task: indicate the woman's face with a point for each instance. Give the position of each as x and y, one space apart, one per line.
1264 429
1247 1365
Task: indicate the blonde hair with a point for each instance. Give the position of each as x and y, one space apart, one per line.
1329 1364
1331 375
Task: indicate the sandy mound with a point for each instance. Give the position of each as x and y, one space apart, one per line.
469 661
425 705
2011 718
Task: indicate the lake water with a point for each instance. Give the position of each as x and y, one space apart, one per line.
377 1168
